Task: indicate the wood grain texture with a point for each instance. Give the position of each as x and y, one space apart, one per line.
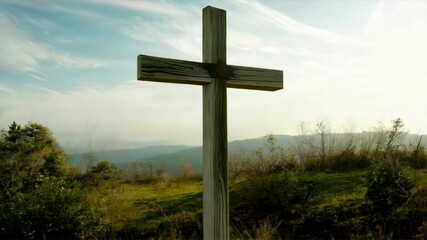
215 76
215 174
172 71
168 70
254 78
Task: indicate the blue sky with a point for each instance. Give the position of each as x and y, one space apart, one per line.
71 65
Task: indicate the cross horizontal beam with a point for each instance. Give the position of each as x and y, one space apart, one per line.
167 70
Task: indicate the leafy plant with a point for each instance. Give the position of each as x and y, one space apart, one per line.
27 154
388 190
55 209
103 172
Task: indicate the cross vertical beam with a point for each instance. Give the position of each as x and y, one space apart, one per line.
215 76
215 174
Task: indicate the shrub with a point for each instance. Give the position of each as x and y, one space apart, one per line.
182 225
103 172
418 213
388 191
281 196
418 158
266 229
186 169
27 154
348 160
53 210
340 221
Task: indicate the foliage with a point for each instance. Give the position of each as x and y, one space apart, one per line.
265 229
186 225
320 189
388 190
54 209
186 169
27 154
283 196
268 159
416 221
102 172
417 159
149 173
348 160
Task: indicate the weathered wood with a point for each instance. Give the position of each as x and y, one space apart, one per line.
172 71
215 174
215 76
254 78
186 72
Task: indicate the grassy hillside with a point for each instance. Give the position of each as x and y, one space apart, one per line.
320 187
315 205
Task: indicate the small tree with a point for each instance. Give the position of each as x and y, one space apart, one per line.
304 145
394 134
104 171
150 166
186 168
418 156
388 190
29 153
137 170
160 170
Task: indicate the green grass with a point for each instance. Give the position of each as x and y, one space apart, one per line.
144 210
326 186
418 176
137 209
330 188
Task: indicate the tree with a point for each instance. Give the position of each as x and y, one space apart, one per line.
186 168
326 141
104 171
304 143
394 134
29 153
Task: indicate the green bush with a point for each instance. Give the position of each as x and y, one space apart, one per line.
331 221
418 213
388 192
265 229
311 164
348 161
27 154
53 210
281 196
418 158
103 173
186 225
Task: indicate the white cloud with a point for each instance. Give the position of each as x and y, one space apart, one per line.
17 51
381 74
20 53
6 89
286 23
158 7
180 29
37 77
135 111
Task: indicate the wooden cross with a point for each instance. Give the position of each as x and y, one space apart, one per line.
215 76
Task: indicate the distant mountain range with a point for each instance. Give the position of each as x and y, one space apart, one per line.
170 155
173 155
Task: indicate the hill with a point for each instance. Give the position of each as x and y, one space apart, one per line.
125 155
173 155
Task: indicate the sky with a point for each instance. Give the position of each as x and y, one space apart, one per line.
71 66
